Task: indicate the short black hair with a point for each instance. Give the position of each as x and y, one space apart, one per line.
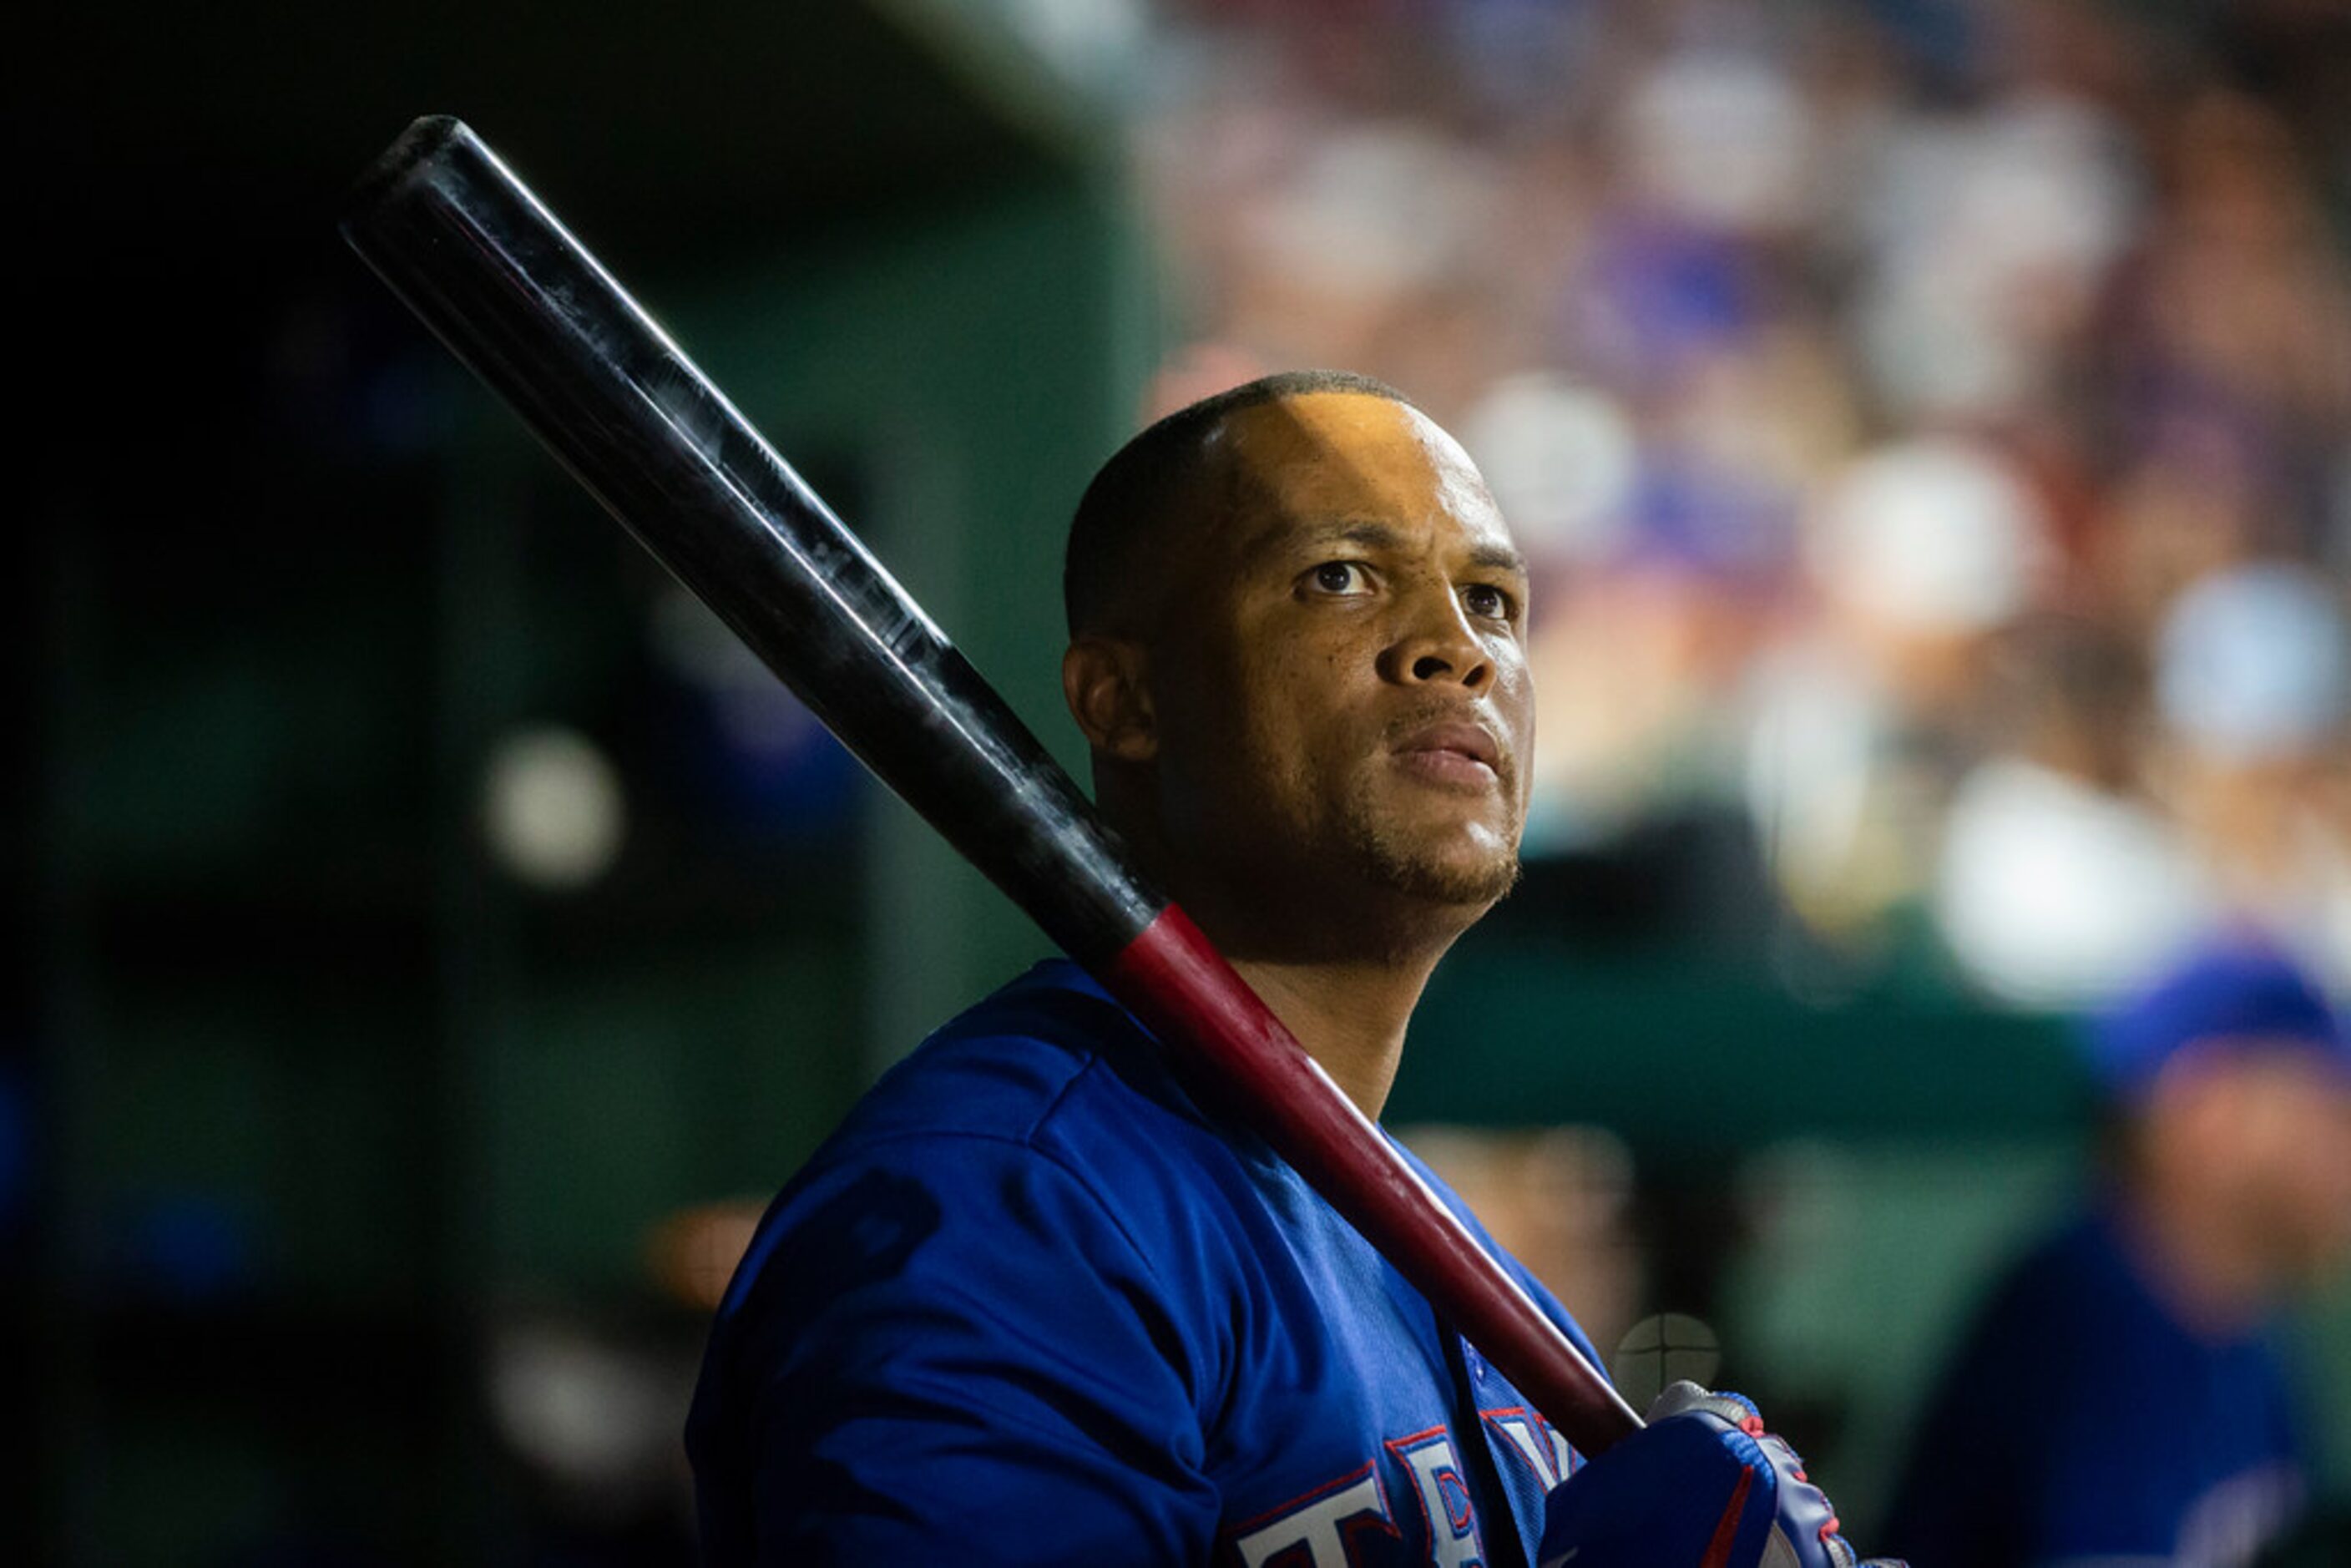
1133 493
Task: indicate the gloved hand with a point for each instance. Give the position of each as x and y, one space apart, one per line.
1702 1486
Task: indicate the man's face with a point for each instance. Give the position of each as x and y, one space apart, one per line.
2262 1128
2294 1142
1339 680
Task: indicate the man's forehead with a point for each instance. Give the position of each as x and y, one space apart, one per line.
1330 425
1328 461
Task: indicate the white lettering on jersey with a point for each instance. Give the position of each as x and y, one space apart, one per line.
1319 1526
1444 1498
1537 1442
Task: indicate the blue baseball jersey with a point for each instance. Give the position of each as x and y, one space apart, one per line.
2082 1423
1029 1304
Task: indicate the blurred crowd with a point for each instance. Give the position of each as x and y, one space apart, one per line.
1930 421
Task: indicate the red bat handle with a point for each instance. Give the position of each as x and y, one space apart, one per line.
1174 980
484 263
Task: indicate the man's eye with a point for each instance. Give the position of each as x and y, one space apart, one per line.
1340 577
1484 600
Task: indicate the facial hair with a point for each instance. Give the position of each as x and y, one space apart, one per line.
1406 863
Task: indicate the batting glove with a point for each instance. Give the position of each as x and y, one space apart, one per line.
1702 1486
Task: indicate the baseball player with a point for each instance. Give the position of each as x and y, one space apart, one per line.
1037 1301
2122 1398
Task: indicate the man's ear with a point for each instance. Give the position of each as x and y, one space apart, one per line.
1104 681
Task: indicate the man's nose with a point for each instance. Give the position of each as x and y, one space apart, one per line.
1434 644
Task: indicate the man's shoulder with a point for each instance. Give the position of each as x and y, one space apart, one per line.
1037 1063
1048 1083
1038 1138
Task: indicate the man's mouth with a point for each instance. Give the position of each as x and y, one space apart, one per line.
1453 752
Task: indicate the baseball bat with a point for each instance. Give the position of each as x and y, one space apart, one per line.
469 248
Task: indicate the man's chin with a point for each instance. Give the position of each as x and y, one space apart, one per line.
1469 880
1479 889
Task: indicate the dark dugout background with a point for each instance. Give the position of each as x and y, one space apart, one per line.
357 1155
308 1098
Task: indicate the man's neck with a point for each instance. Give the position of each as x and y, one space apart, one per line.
1342 974
1351 1016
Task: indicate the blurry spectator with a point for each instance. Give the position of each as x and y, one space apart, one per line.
2253 682
2243 292
1988 238
2061 882
1919 554
2123 1398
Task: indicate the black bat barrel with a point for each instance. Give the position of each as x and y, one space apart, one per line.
500 279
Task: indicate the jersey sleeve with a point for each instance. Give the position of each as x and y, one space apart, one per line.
954 1352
